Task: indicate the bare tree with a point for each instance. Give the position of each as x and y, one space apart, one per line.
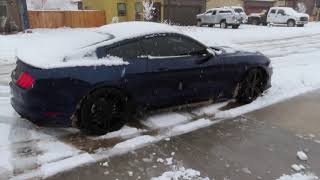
148 9
301 7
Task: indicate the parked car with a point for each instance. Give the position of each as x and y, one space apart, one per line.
258 18
223 16
101 85
288 16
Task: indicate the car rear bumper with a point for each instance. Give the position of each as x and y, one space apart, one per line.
40 109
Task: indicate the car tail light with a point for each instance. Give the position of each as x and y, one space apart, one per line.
25 80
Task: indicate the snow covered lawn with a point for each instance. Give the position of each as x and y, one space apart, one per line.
28 151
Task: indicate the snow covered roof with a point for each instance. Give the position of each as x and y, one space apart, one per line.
71 46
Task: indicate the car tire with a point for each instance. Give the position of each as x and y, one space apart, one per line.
199 23
223 24
291 23
251 87
255 22
104 110
235 26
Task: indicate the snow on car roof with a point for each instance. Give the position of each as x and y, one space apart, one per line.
66 48
136 28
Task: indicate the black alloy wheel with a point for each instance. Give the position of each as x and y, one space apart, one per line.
105 110
251 87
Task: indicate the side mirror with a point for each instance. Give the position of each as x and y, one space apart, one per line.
211 51
205 57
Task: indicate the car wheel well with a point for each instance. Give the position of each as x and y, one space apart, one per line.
238 93
74 118
264 72
289 20
223 20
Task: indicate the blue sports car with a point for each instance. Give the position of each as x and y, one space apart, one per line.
129 67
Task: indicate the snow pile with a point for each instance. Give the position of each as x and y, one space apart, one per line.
65 164
302 156
298 176
184 128
135 143
165 120
181 174
298 167
125 132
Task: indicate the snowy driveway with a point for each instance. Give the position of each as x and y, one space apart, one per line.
29 151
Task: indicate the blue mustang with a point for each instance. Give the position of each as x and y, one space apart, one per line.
161 68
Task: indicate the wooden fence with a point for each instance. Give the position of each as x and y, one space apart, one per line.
73 19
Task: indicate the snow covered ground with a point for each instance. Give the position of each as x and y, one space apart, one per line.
29 151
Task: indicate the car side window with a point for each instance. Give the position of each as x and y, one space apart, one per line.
166 46
225 12
281 12
208 12
273 11
214 12
126 50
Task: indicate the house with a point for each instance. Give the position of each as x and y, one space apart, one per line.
309 6
220 3
257 6
175 11
124 10
13 16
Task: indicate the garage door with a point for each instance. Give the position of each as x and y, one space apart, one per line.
183 15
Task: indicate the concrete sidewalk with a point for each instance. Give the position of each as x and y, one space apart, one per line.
259 145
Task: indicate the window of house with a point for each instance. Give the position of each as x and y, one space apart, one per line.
3 11
122 9
138 8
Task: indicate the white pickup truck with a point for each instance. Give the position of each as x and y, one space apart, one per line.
224 16
288 16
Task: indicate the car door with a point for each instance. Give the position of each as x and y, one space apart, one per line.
213 19
207 17
281 17
174 67
271 16
131 77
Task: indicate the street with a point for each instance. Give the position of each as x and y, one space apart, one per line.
219 140
258 145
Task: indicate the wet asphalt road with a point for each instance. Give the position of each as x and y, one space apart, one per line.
259 145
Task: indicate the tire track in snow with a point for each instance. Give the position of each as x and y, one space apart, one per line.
284 47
